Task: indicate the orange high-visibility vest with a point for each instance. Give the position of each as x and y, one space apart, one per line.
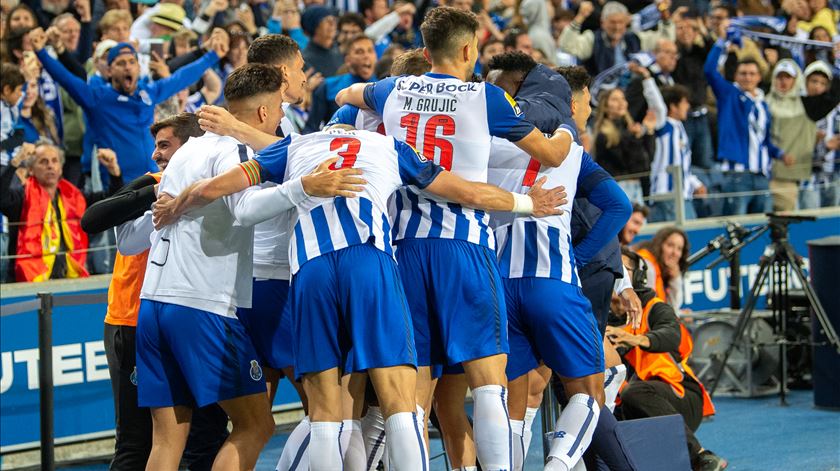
38 237
663 365
659 284
126 282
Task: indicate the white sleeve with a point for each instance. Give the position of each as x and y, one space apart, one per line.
134 237
383 26
253 206
623 283
654 100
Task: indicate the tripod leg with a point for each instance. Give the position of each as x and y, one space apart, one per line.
744 316
819 311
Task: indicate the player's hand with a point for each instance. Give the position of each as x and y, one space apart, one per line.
327 182
38 39
633 307
546 201
217 120
163 211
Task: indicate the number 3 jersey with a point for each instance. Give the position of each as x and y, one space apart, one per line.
539 247
449 122
325 225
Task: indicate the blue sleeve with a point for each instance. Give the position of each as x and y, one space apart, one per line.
272 161
274 26
589 176
299 37
720 86
76 87
774 151
414 168
345 115
376 94
182 78
616 210
504 116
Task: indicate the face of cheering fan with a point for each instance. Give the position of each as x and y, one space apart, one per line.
46 166
616 104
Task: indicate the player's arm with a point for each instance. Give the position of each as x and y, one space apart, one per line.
353 95
168 209
219 121
538 202
550 152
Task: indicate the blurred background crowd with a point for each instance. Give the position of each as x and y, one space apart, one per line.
750 88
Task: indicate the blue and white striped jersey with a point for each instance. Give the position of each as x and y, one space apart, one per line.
363 120
324 225
449 122
672 148
539 247
759 146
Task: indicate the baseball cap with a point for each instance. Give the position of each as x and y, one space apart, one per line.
103 47
787 68
169 15
118 50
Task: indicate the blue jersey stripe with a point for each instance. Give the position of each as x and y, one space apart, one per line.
301 245
348 225
572 261
436 213
398 205
414 220
484 233
366 215
462 225
554 256
529 261
504 263
386 234
322 229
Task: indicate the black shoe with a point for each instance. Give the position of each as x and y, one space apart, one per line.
708 461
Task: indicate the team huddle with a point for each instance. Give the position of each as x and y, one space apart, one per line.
419 245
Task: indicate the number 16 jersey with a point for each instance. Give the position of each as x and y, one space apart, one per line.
449 122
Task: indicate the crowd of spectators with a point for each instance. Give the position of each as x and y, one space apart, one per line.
753 122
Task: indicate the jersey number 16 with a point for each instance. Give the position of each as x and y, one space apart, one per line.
431 141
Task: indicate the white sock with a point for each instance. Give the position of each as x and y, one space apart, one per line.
530 415
613 379
406 448
491 428
295 455
373 430
324 452
518 449
573 432
580 466
353 446
420 418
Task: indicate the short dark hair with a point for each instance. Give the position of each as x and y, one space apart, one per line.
184 126
640 208
353 18
10 76
411 62
357 38
511 37
748 61
564 15
272 49
512 61
674 94
251 80
488 43
382 68
444 28
577 77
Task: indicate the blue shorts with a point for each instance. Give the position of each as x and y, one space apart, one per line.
456 299
189 357
551 321
349 311
268 323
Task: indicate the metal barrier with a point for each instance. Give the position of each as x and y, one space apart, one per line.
44 304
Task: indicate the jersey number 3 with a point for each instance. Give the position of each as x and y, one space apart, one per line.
431 141
350 147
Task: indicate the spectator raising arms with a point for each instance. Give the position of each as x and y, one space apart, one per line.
121 113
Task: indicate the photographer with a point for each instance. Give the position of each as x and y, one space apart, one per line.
656 356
